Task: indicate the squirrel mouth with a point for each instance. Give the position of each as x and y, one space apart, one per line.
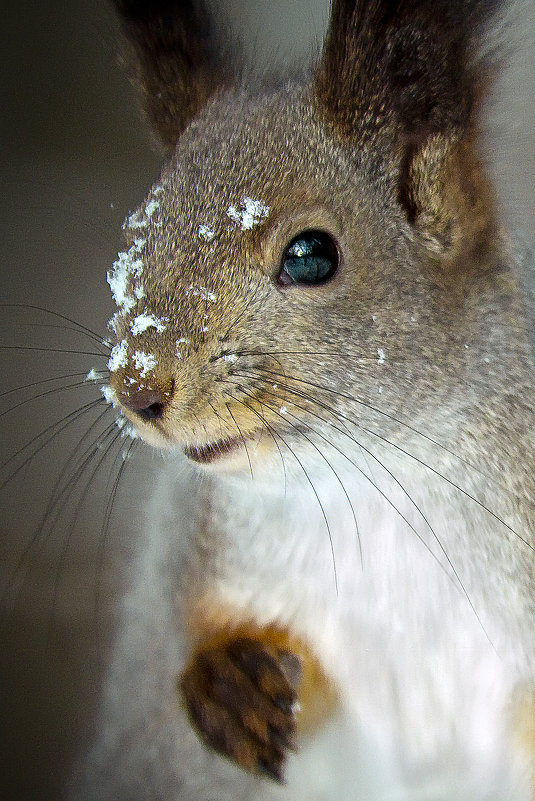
204 454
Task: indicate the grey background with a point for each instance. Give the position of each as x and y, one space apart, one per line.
75 159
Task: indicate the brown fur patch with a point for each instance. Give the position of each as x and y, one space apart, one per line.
214 626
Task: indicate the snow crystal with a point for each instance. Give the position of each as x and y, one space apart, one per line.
230 357
109 394
127 265
118 356
136 220
382 357
144 362
114 322
144 321
251 213
202 292
92 375
178 344
151 207
205 232
129 431
283 410
140 218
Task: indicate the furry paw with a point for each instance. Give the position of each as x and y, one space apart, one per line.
241 696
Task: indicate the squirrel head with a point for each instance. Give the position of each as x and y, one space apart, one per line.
291 210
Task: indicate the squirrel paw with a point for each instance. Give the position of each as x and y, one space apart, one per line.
241 696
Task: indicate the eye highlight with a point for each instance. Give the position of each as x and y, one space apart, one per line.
310 258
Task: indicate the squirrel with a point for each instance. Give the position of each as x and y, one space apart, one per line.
322 320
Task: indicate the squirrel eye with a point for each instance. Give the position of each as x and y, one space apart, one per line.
310 258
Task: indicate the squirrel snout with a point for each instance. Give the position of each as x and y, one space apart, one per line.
145 400
149 404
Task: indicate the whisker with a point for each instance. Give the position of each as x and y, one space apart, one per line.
78 326
396 420
65 327
98 447
216 414
45 381
329 354
68 464
60 491
104 532
243 440
307 438
56 427
262 419
403 517
40 395
54 350
389 501
426 437
318 499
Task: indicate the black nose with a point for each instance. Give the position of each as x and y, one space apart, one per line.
152 412
148 404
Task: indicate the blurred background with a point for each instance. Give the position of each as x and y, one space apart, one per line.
76 158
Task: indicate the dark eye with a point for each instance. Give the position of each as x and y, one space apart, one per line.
310 258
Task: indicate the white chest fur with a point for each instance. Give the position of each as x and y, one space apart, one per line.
426 669
411 615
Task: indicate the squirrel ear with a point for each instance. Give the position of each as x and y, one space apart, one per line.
178 60
402 75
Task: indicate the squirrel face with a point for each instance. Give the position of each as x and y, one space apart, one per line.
207 308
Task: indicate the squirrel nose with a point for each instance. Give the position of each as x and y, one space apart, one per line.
146 402
149 404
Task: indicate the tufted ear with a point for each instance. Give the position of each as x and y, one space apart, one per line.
404 76
179 61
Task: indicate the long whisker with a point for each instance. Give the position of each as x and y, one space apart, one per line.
57 427
407 495
262 419
367 478
243 440
384 414
54 350
103 449
75 455
78 326
60 491
405 452
45 381
455 573
330 354
322 455
40 395
99 563
216 414
318 499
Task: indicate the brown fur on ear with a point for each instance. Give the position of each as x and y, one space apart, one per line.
448 199
406 69
179 61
